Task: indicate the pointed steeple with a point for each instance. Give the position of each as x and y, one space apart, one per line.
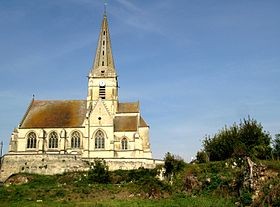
103 65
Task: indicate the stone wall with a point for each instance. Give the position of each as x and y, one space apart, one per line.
50 164
129 163
40 164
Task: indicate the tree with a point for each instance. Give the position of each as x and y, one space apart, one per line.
172 165
276 146
245 139
202 157
255 139
99 172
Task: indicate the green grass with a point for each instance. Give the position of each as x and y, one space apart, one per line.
271 164
175 202
70 190
218 184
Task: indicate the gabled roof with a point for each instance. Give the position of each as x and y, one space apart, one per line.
125 123
142 122
132 107
55 114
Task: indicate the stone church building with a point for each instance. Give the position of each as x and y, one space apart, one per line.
56 136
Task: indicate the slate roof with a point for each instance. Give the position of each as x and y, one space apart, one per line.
54 114
132 107
125 123
142 122
71 113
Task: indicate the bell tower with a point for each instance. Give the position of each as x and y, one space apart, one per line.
102 79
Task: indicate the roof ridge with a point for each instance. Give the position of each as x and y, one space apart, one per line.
62 100
129 102
27 111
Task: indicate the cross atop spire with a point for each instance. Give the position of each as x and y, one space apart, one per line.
105 7
103 65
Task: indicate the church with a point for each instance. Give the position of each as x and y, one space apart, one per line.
55 136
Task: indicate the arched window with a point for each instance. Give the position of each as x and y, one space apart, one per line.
124 144
53 140
31 140
75 140
99 140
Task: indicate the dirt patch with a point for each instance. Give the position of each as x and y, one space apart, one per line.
18 179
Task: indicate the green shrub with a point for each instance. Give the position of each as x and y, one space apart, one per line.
172 165
60 193
246 139
99 172
202 157
41 180
126 176
245 197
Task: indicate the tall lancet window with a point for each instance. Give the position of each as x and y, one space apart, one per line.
124 144
53 140
75 140
31 140
99 140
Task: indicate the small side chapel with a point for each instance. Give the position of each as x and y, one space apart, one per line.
99 127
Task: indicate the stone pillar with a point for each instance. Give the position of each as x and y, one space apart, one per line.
42 142
63 136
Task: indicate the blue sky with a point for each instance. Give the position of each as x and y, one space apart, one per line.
194 65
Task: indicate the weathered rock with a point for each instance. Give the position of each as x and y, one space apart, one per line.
191 182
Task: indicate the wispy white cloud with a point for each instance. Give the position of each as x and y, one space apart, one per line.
135 17
31 61
130 6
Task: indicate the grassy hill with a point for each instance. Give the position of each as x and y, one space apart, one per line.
201 185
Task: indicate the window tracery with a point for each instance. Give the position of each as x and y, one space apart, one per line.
75 140
53 140
99 140
31 140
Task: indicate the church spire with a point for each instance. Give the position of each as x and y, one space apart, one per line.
103 65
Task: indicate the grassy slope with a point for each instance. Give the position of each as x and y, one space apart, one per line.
175 202
72 189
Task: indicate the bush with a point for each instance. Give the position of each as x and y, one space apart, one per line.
172 165
99 172
245 197
276 147
246 139
145 181
126 176
202 157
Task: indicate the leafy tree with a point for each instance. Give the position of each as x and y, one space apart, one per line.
172 165
255 139
99 172
201 157
246 139
276 146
